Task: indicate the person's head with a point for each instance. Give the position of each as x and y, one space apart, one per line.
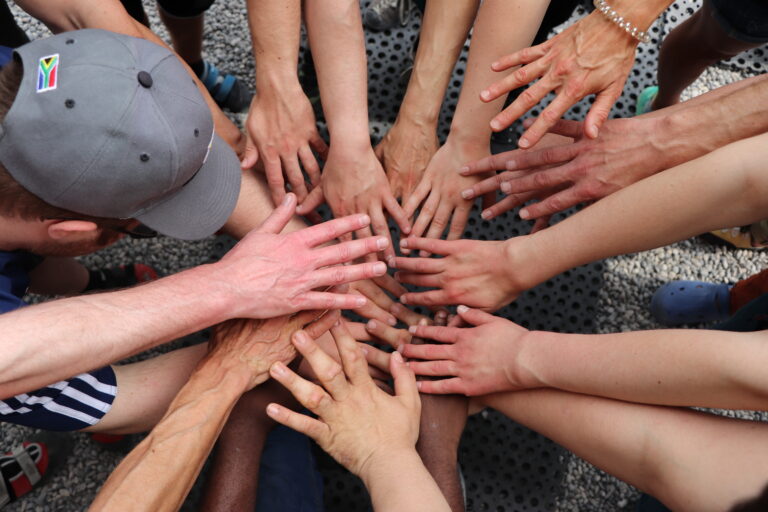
100 132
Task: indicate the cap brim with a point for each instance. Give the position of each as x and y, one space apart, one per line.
203 205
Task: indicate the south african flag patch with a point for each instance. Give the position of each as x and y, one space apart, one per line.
48 73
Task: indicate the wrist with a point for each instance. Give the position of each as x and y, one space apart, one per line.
521 252
277 82
383 466
464 135
677 137
352 143
639 14
221 299
525 370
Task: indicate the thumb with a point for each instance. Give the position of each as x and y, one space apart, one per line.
405 380
251 155
280 216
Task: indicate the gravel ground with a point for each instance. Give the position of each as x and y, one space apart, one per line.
629 282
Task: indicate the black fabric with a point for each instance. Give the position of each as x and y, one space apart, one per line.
745 20
11 34
185 8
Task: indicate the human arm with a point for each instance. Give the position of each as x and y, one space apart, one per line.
412 141
627 150
66 15
681 367
368 431
690 460
353 180
469 138
280 129
592 56
679 203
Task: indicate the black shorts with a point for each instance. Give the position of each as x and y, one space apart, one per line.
745 20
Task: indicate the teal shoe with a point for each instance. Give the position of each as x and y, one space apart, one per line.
646 99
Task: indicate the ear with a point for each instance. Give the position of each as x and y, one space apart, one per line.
62 229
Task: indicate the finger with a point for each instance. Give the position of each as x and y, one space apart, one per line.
440 221
379 226
378 298
328 372
295 178
434 368
405 315
431 298
341 274
454 386
318 144
312 202
388 283
540 224
405 380
280 216
389 335
456 321
426 213
475 316
348 251
526 101
357 330
352 358
487 185
554 204
542 157
373 311
508 203
311 427
488 164
397 213
523 56
544 122
540 181
310 395
309 162
274 174
566 128
426 280
376 358
518 78
435 332
459 222
328 300
251 155
600 110
322 324
333 229
419 265
430 245
419 194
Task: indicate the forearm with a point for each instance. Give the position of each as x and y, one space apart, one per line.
159 472
275 33
401 483
444 30
338 47
689 460
501 26
670 206
665 367
55 340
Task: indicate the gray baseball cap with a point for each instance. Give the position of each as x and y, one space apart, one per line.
113 126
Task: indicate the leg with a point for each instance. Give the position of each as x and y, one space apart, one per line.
11 34
744 291
58 276
688 50
442 421
689 460
145 390
186 36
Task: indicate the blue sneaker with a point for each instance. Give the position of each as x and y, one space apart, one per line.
646 99
691 302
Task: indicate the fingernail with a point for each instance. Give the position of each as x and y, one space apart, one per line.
364 220
391 261
464 169
395 309
423 321
299 339
418 385
462 309
403 299
495 125
360 301
495 64
486 95
467 194
382 243
365 350
486 214
593 132
401 348
506 187
523 143
511 165
337 323
380 268
412 329
371 325
272 409
287 199
397 276
524 213
278 369
407 229
398 357
403 243
392 321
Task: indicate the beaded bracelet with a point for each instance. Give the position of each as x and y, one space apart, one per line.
612 15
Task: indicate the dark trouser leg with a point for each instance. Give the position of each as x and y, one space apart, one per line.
11 34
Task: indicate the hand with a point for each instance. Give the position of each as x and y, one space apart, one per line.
625 152
498 181
405 152
354 182
441 186
277 274
592 56
358 423
474 272
253 345
475 361
380 305
281 131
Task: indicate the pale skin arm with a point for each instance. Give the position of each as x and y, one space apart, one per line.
280 130
691 461
66 15
412 141
717 369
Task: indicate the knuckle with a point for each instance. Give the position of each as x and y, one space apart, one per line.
315 399
338 275
521 75
541 180
528 97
